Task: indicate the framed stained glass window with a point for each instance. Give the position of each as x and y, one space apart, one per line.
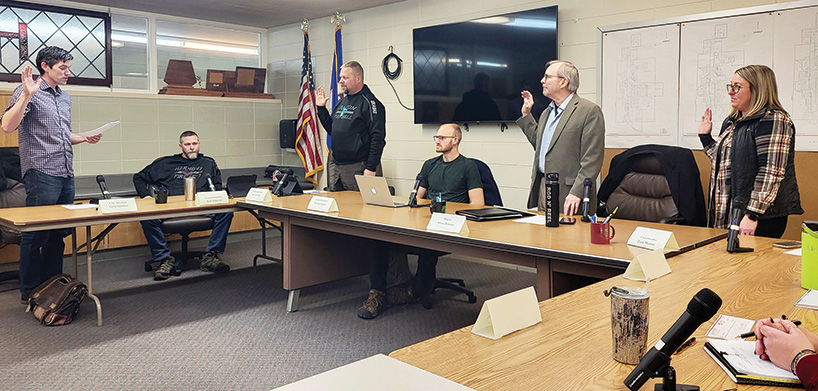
27 28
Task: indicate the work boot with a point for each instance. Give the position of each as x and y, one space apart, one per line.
165 269
373 303
398 295
212 262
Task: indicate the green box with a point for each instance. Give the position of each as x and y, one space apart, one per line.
809 255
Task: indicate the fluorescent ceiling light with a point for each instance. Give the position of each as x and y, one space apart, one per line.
519 22
491 64
494 20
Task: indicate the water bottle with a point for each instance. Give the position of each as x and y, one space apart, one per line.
552 199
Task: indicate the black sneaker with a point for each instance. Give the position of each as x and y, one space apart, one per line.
398 295
375 302
211 262
165 269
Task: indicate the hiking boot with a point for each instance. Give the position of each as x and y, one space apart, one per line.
165 269
398 295
373 303
212 262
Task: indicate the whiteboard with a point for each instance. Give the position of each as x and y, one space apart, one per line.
709 48
643 65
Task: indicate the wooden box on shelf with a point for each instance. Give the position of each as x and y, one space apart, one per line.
180 78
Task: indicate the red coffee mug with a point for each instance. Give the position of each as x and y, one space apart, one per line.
602 233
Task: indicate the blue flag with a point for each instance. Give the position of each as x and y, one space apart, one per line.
337 61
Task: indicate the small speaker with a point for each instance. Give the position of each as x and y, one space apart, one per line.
286 133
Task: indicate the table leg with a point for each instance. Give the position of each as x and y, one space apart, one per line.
90 282
292 300
544 276
74 251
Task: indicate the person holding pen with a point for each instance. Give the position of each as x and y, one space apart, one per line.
790 347
752 157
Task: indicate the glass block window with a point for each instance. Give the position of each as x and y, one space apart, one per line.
207 47
129 44
27 28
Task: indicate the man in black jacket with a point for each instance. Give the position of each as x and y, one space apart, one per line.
169 172
357 126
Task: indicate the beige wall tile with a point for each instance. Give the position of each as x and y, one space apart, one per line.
136 150
175 113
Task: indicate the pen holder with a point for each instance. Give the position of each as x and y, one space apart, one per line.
602 233
629 324
438 206
162 196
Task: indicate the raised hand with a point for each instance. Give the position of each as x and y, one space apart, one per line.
528 102
706 125
320 98
30 87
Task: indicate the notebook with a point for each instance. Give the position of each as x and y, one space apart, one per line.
374 191
738 359
487 214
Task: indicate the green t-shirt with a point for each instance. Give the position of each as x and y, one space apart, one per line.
453 179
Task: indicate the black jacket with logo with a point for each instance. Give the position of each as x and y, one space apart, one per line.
358 129
171 171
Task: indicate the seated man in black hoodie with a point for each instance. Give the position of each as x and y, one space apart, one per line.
170 172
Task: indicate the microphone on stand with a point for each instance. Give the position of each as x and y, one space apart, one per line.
104 189
739 203
283 181
586 200
413 196
210 183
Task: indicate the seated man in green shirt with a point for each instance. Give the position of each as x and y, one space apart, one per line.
454 178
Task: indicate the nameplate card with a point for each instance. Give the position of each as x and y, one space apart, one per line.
647 266
211 198
508 313
443 222
117 205
259 195
323 204
653 239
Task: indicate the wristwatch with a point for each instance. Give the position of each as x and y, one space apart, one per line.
751 215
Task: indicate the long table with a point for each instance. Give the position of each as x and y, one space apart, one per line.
39 218
571 348
323 247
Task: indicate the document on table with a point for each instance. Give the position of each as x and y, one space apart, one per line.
809 300
98 130
797 252
79 206
729 327
738 359
538 219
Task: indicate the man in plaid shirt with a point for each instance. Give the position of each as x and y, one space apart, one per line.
41 111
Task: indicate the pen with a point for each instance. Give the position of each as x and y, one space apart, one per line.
753 334
607 219
685 345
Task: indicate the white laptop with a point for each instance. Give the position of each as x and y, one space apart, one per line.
375 191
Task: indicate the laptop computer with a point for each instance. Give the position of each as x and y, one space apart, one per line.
375 191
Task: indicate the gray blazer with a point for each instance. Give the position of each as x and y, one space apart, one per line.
576 150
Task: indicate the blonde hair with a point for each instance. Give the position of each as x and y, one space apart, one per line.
355 66
763 87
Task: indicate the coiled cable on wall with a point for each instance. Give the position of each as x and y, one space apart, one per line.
392 75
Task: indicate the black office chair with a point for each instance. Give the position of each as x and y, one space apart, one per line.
656 183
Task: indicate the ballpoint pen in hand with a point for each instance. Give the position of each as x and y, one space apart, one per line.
607 219
753 334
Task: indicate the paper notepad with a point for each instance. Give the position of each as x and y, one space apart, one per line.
738 359
809 300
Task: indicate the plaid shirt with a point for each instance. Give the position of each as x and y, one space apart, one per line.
45 132
772 152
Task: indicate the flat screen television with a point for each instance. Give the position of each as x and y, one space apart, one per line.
473 72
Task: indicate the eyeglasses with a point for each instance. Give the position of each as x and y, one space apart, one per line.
547 76
436 138
734 88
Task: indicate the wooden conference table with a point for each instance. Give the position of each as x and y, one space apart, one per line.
571 348
39 218
323 247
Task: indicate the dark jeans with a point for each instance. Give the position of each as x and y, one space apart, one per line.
41 252
159 246
424 276
772 228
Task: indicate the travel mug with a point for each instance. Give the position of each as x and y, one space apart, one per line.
190 189
629 324
552 199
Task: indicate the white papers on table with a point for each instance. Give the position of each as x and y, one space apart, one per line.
729 327
98 130
741 355
80 206
797 252
809 300
538 219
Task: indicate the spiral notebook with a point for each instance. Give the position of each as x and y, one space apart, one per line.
738 359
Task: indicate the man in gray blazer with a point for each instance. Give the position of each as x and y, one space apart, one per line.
569 138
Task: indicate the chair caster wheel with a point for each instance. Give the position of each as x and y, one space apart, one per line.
472 299
177 272
462 284
148 267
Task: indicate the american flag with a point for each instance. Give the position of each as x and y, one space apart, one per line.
308 141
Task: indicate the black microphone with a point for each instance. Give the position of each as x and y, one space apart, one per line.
656 361
739 203
283 181
104 189
413 196
210 183
586 200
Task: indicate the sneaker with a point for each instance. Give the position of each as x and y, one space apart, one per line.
373 303
212 262
23 299
398 295
165 269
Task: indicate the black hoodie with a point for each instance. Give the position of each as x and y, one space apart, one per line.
171 171
358 129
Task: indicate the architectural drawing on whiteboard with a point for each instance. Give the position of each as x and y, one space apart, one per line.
637 90
714 67
805 78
